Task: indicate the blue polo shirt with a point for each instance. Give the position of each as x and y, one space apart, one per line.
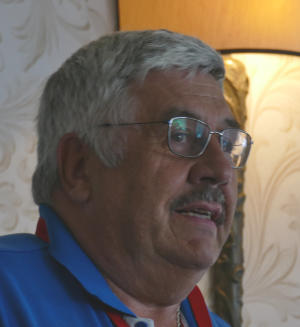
56 284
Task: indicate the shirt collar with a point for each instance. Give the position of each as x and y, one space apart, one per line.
65 249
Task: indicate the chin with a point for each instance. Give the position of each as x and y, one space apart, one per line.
196 260
204 257
204 262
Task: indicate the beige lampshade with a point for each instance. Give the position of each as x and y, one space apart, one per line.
224 24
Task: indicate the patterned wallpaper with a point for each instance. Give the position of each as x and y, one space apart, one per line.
272 208
35 38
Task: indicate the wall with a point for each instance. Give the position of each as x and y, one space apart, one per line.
272 208
36 36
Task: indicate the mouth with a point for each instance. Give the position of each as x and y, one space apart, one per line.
205 211
207 205
199 213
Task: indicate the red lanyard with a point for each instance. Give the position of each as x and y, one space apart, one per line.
117 319
199 308
41 230
195 298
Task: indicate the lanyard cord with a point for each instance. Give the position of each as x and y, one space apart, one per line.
199 308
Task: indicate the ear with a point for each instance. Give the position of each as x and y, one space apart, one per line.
72 161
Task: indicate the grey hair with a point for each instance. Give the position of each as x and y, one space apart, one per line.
92 87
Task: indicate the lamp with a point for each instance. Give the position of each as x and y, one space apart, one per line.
231 25
264 35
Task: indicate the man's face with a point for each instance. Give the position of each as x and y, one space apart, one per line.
157 207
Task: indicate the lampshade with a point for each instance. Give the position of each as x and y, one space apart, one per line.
232 25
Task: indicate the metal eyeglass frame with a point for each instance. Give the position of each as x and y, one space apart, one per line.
170 122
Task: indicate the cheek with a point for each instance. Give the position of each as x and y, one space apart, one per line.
171 178
162 183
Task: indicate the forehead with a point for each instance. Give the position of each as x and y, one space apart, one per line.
164 95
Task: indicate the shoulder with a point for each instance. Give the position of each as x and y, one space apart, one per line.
18 249
20 243
21 257
217 321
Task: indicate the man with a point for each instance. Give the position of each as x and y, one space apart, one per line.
136 182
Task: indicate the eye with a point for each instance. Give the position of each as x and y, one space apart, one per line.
227 145
180 136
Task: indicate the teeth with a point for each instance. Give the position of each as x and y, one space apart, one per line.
200 214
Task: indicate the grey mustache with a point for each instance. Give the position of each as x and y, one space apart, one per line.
208 194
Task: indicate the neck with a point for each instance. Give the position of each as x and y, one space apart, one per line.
148 284
162 315
156 298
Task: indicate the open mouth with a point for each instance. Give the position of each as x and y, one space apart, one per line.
199 213
208 204
207 211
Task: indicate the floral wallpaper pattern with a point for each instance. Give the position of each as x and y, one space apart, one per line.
36 36
272 208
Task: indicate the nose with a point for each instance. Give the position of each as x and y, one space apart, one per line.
212 166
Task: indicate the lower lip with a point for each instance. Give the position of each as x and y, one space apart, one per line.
207 223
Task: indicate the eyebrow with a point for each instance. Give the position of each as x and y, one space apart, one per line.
177 112
231 122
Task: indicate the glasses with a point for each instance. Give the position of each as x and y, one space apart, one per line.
189 138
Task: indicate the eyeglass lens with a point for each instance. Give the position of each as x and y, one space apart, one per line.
189 137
